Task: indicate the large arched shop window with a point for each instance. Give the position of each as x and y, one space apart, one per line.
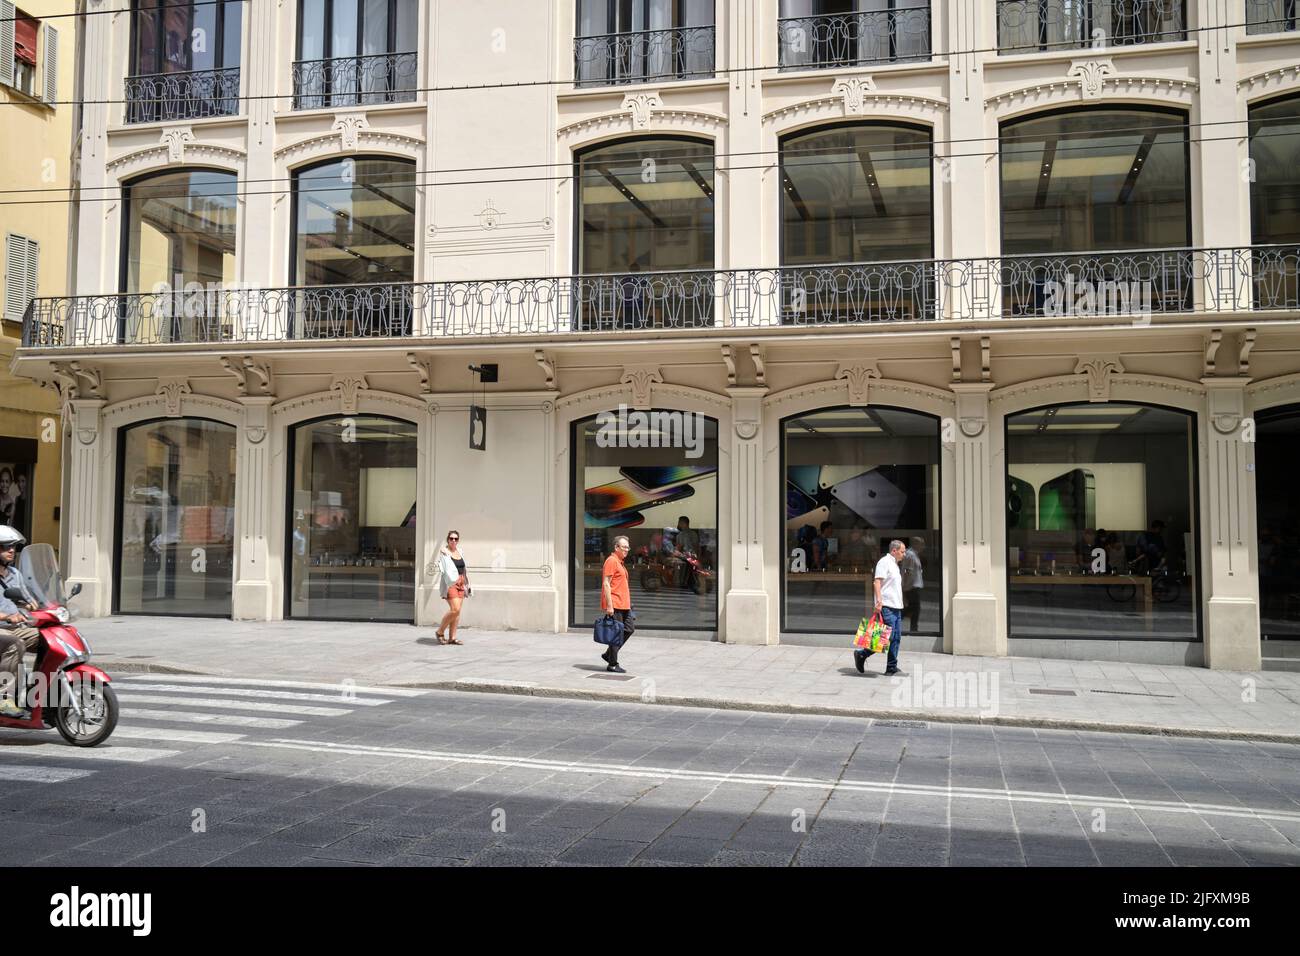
1275 202
1278 514
175 518
354 232
178 243
1084 193
1101 529
644 206
351 528
857 194
652 476
856 478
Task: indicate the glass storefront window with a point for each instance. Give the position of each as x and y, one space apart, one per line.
856 478
351 547
1101 532
1085 180
1278 435
652 476
176 501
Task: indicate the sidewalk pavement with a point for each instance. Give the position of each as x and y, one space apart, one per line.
1017 691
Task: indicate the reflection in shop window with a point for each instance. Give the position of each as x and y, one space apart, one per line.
351 542
177 515
654 478
855 478
1278 434
1100 530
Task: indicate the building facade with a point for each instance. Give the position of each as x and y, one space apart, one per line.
35 67
760 285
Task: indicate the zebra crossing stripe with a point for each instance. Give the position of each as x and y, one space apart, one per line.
228 720
338 687
264 694
235 704
105 751
42 774
179 736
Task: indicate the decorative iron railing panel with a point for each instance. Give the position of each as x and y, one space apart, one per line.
1271 16
854 39
161 97
355 80
1128 287
644 56
1026 26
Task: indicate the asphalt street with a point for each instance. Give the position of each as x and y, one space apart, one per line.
225 771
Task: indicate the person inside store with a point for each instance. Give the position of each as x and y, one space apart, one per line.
1151 552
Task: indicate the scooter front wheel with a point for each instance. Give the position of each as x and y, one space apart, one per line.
98 717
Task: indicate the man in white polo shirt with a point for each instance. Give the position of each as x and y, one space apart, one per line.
887 592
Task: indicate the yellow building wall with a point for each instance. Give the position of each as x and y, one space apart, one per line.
36 154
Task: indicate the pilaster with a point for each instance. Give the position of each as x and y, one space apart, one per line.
977 627
745 617
252 599
90 458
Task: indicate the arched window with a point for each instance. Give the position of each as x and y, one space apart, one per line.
645 206
176 518
856 194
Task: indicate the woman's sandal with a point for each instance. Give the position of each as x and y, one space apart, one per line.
452 640
441 639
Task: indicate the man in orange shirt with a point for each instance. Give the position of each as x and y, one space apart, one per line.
615 599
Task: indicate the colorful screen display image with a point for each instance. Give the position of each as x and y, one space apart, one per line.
666 502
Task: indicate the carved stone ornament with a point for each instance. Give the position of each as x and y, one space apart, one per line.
972 427
172 390
87 435
1091 75
858 374
746 430
251 376
854 89
760 369
349 127
641 377
1225 423
255 433
547 365
348 387
175 138
729 360
424 368
641 106
1099 369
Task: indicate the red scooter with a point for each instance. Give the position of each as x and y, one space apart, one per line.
64 691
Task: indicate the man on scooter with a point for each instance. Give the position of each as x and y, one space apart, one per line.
17 636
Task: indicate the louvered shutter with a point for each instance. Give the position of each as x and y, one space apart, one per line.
7 14
16 273
33 272
50 48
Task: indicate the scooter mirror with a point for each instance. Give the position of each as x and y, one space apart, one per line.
76 589
15 595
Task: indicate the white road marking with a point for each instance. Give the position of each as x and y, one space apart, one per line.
105 751
338 687
262 694
235 704
42 774
771 780
180 736
227 720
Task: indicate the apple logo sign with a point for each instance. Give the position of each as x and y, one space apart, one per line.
477 428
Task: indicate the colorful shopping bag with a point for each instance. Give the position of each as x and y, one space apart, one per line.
873 634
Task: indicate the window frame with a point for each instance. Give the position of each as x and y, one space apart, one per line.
218 55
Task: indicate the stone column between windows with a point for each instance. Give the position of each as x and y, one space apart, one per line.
1229 537
977 626
255 496
263 254
101 82
90 465
746 618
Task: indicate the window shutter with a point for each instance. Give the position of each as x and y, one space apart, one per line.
15 276
7 14
33 273
50 46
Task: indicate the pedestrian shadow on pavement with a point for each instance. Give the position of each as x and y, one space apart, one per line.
853 672
589 667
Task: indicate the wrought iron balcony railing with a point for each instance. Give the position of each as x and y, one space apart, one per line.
160 97
1270 16
1123 286
643 56
1026 26
355 80
854 39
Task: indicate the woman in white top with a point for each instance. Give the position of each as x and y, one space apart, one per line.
454 587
